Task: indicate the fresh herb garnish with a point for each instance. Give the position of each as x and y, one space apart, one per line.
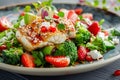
101 21
27 8
61 14
61 26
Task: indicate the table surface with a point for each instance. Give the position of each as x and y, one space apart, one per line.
104 73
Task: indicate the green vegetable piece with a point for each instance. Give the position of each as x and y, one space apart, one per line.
39 58
12 56
101 21
67 48
109 45
48 50
115 32
82 36
96 3
47 3
61 14
29 17
27 8
61 26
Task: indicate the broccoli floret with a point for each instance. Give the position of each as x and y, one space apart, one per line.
12 56
39 58
97 44
67 48
82 36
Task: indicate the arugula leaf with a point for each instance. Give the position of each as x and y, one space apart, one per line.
103 1
36 5
115 32
61 26
80 17
61 14
27 8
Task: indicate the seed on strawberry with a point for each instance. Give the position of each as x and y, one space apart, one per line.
117 73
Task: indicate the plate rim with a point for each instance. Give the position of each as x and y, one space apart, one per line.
48 71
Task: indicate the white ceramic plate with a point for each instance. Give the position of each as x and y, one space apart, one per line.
111 56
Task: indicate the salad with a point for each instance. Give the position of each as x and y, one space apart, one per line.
46 37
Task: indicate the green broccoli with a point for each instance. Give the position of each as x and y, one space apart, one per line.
67 48
39 58
12 56
82 36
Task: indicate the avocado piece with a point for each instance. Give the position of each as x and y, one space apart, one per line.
109 44
48 50
29 17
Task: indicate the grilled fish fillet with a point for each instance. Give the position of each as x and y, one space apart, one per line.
32 38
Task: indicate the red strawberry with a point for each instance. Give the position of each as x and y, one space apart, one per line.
88 58
116 73
78 11
4 24
58 61
27 60
3 47
72 16
82 52
94 28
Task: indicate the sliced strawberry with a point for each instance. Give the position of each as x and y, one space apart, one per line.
87 15
94 28
3 47
27 60
88 58
58 61
82 53
78 11
4 24
72 16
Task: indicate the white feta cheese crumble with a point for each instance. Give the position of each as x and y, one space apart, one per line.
115 40
102 35
95 54
46 24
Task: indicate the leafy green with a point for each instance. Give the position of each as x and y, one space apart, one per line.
82 36
39 58
115 32
47 3
61 26
97 44
96 3
67 48
101 21
103 2
12 55
61 14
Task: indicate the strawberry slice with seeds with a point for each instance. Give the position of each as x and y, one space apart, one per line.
58 61
94 28
82 53
27 60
